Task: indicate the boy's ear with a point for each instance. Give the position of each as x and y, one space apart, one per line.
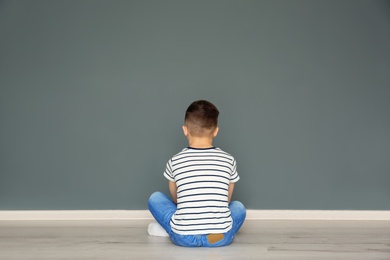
216 131
185 130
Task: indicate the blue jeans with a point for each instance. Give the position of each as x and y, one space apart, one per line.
163 208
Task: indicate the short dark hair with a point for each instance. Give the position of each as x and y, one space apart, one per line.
201 117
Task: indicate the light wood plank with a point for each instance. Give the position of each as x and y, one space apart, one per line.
257 240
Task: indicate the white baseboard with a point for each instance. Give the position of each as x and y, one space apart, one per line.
318 214
145 214
75 215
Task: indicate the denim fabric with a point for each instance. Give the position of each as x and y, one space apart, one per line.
163 208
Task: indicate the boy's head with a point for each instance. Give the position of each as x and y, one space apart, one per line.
201 119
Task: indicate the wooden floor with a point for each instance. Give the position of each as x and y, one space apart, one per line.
256 240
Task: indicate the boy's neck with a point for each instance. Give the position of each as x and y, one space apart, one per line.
200 142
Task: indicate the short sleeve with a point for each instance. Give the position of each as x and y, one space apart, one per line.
168 172
234 174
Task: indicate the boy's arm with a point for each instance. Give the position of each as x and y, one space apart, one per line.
173 190
230 191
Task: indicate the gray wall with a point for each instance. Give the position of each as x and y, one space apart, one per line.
93 94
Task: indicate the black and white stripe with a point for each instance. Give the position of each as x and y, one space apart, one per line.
202 177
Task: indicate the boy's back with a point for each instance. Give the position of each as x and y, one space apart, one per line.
202 177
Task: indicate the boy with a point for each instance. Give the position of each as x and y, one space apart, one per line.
201 181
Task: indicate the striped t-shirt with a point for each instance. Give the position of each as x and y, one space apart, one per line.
202 178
